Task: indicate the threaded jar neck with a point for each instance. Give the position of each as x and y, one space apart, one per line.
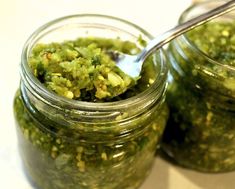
209 78
196 10
61 109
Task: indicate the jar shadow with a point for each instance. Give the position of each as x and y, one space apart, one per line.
159 176
199 180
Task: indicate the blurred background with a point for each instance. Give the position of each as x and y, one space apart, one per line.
19 18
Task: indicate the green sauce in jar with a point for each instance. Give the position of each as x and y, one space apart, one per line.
200 133
217 40
83 69
72 134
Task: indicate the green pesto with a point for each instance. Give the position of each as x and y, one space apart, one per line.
60 156
216 40
200 133
82 69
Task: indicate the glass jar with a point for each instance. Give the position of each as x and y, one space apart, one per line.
200 133
73 144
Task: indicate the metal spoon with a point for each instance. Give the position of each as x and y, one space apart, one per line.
132 64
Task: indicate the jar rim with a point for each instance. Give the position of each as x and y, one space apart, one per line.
41 90
194 47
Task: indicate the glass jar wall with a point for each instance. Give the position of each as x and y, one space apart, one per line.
73 144
200 133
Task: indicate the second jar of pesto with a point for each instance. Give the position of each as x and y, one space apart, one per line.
69 136
200 133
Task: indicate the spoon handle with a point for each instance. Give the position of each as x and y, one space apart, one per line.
171 34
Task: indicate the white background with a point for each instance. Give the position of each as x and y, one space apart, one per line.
19 18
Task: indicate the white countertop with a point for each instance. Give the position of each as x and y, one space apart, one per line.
19 18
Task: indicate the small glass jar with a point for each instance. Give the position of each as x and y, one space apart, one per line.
73 144
200 133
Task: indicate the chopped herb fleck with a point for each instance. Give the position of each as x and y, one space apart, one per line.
200 130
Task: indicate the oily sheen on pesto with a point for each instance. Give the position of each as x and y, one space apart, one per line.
82 69
201 130
67 148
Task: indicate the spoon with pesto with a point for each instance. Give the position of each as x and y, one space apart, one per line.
132 64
